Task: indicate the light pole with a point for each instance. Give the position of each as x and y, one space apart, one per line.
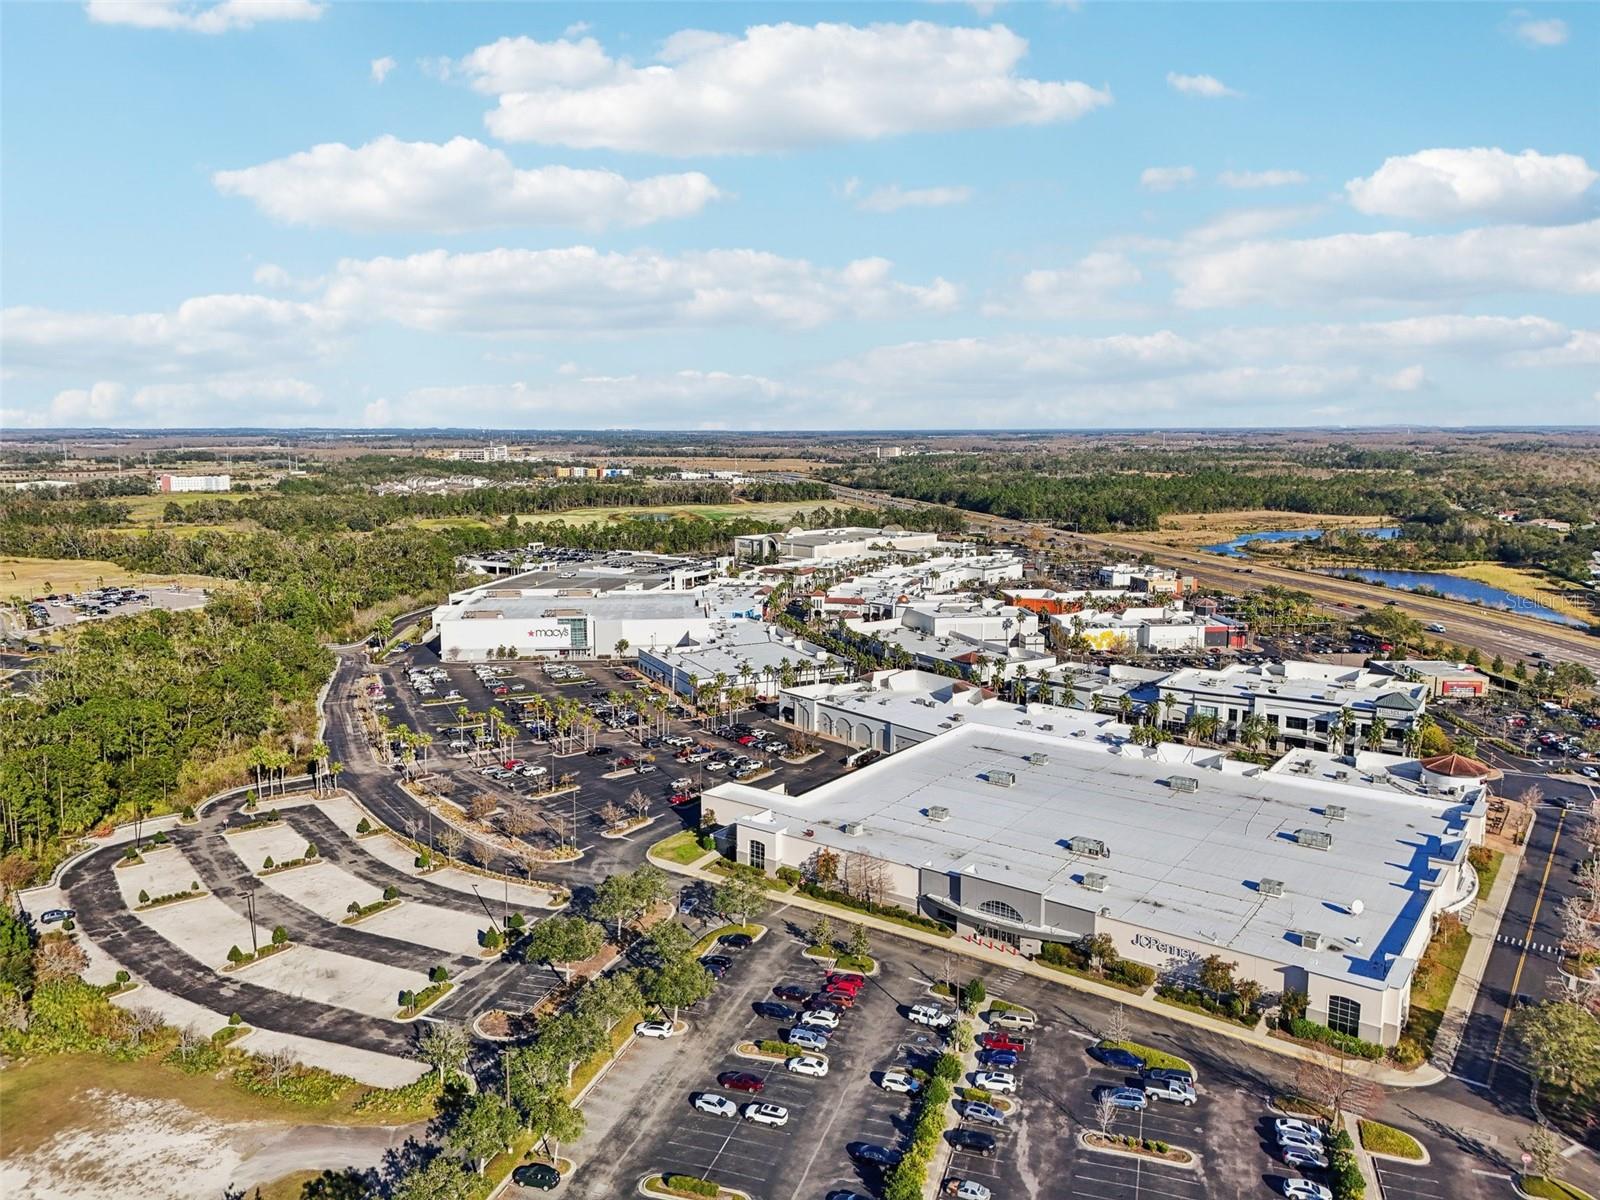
250 903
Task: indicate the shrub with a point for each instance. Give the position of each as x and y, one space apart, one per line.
391 892
1131 973
515 921
280 935
311 850
123 977
892 912
363 826
267 864
787 1049
235 1019
1408 1052
144 896
438 975
235 955
1313 1032
947 1068
194 885
790 875
691 1184
188 812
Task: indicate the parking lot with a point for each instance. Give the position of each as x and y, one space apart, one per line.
58 610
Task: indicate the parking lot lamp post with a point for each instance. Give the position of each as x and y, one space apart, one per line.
250 904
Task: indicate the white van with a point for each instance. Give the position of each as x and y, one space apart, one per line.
1014 1020
930 1015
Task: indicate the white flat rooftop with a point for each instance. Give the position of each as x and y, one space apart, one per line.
1184 863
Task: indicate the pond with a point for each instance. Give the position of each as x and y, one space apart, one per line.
1457 588
1236 547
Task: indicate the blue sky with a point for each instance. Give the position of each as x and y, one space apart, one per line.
804 216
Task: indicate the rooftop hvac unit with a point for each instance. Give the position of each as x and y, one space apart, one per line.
1039 759
1272 889
1184 783
1314 839
853 828
1088 847
1334 812
1002 778
1310 939
938 812
1341 775
1094 881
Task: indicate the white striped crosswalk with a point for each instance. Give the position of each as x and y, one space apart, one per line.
1549 948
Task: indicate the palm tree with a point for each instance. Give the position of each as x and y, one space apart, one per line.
1125 708
1376 732
319 763
1202 727
1168 703
1252 731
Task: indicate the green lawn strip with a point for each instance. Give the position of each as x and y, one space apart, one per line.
426 998
710 939
1435 979
1151 1056
732 870
1080 973
680 848
861 963
1386 1139
1299 1106
1488 872
909 920
1553 1189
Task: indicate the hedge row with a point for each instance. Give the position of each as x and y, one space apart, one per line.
889 912
1312 1032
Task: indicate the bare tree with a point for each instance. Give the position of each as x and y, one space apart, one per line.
639 803
280 1064
1105 1110
518 822
481 806
190 1040
452 841
142 1021
1331 1081
1117 1025
611 813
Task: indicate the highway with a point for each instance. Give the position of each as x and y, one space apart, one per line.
1493 632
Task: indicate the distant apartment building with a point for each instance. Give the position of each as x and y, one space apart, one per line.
481 454
196 483
1155 581
1170 627
833 544
593 472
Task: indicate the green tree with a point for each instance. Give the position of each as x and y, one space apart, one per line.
563 940
16 952
675 983
820 934
973 995
860 942
441 1178
1562 1042
280 935
738 898
484 1125
444 1046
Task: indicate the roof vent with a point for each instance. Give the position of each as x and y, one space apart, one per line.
938 812
1002 778
1184 783
1314 839
1334 812
1310 939
1272 889
1088 847
1094 881
853 828
1039 759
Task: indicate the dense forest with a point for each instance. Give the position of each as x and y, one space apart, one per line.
149 711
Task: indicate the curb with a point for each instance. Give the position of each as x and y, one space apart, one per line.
644 1191
1192 1165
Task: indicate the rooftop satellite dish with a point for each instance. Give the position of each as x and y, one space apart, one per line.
1357 908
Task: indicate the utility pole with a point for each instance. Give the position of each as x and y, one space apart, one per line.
250 903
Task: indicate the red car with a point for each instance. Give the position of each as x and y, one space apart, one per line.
741 1081
681 799
748 739
501 690
840 1000
843 979
999 1041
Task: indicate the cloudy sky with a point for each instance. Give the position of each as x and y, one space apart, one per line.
290 212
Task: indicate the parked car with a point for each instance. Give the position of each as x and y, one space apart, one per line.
878 1156
51 916
966 1189
1002 1059
1123 1097
984 1114
1001 1041
740 1081
1114 1056
654 1029
845 979
809 1037
1295 1127
1178 1091
1305 1189
539 1176
717 1106
825 1017
839 1000
807 1064
972 1141
791 991
1169 1073
1303 1158
736 941
930 1015
1014 1020
778 1012
998 1082
767 1114
899 1081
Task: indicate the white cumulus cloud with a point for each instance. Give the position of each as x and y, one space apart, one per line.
454 187
193 17
1164 179
1356 268
1540 32
893 198
776 87
581 289
1244 180
1087 288
1433 185
1206 86
381 67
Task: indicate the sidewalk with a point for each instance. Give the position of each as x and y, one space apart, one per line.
1484 925
1424 1076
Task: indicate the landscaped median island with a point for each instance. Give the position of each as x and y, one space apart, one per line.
1386 1140
688 1185
750 930
360 912
907 1179
1150 1056
146 900
239 959
414 1004
1123 1143
1550 1189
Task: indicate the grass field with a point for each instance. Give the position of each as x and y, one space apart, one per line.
1200 529
147 510
1524 583
774 511
39 576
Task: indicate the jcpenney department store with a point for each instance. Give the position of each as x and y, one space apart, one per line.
1322 875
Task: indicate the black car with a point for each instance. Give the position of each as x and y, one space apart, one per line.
736 941
1169 1074
1115 1056
778 1012
972 1141
542 1176
598 752
791 991
718 964
869 1152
